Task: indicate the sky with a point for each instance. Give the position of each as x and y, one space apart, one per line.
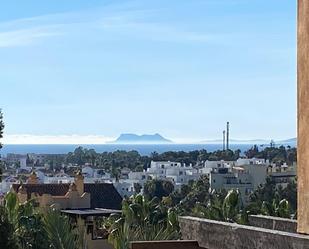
80 71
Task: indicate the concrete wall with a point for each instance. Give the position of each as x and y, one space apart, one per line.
303 115
165 244
220 235
274 223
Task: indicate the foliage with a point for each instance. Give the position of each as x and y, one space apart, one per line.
28 228
113 162
26 223
59 231
220 207
189 195
276 155
158 188
269 199
137 187
142 219
107 160
7 236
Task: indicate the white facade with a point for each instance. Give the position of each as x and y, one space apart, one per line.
251 161
232 178
176 172
90 172
59 178
125 188
210 165
23 162
6 184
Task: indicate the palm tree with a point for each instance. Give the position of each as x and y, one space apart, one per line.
231 205
36 230
220 207
26 223
59 231
276 208
7 233
142 220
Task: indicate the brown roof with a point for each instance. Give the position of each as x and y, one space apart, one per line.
102 195
41 188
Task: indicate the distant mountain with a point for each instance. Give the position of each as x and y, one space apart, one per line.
292 141
238 141
129 138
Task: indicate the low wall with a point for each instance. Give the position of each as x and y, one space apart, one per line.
274 223
165 244
221 235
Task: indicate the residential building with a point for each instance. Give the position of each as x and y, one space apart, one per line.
74 195
232 178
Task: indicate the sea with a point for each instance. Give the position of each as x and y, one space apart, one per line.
143 149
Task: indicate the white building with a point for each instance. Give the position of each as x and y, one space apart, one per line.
282 174
6 184
176 172
90 172
251 161
232 178
210 165
59 178
125 188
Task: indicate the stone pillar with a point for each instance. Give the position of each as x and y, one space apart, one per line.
33 179
79 182
303 116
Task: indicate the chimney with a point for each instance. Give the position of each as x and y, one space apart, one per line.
227 135
223 145
79 182
33 179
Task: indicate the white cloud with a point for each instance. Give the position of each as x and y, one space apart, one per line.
24 37
136 23
153 31
50 139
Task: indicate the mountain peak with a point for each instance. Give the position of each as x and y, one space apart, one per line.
131 138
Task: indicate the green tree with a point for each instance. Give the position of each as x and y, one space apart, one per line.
221 206
137 187
59 231
7 235
195 192
142 220
26 223
158 188
273 200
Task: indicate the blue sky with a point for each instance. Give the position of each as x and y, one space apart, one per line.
95 69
